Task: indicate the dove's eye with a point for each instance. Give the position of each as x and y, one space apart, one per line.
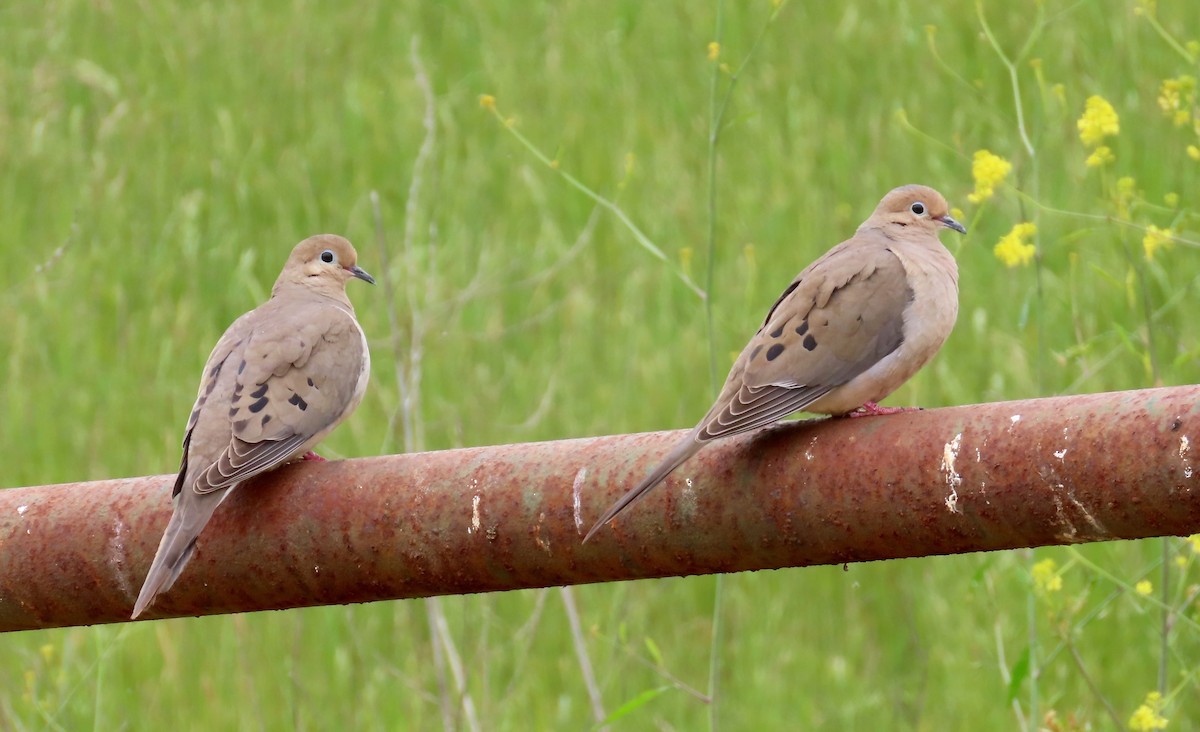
328 256
918 208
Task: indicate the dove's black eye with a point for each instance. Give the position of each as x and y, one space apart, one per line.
327 256
918 208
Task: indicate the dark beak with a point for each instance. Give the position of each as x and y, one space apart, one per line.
949 222
361 273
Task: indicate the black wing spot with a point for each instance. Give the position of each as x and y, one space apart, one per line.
310 382
266 418
233 412
240 425
242 367
261 391
258 406
810 343
296 400
774 351
778 331
802 328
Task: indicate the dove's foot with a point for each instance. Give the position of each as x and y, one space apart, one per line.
311 456
871 409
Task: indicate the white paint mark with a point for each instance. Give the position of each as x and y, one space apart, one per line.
953 479
116 557
1015 418
1060 454
317 569
808 451
577 497
475 522
22 509
1185 446
542 542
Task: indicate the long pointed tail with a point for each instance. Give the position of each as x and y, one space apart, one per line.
192 512
684 450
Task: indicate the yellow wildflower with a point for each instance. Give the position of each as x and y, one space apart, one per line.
1046 578
1194 540
1014 250
1176 97
1148 717
1172 200
989 171
1099 121
1101 156
714 50
1144 588
1193 152
488 102
1156 239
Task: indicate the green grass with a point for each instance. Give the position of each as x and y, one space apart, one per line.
157 163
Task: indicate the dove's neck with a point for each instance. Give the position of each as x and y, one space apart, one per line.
333 291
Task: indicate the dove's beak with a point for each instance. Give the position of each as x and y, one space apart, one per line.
361 274
949 222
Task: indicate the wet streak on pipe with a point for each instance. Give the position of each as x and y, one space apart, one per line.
975 478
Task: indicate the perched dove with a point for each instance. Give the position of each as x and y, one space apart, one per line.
279 380
848 331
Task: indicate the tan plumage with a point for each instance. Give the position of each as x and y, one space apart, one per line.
277 382
850 329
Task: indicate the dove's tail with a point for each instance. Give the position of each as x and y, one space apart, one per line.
684 450
192 512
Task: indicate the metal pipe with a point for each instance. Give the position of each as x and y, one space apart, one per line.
976 478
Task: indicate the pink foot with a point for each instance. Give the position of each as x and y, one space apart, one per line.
313 457
871 409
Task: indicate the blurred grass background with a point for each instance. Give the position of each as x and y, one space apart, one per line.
158 161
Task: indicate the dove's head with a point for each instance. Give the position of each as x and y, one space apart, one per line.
914 208
325 263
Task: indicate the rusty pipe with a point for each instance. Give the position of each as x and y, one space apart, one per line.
975 478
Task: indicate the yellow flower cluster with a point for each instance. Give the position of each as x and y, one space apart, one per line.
488 102
989 171
1015 250
1144 588
1156 239
1046 578
714 51
1177 99
1125 195
1099 121
1148 717
1102 155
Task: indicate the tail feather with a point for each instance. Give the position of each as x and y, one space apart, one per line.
684 450
192 512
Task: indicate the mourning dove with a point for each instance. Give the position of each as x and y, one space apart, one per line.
279 380
848 331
